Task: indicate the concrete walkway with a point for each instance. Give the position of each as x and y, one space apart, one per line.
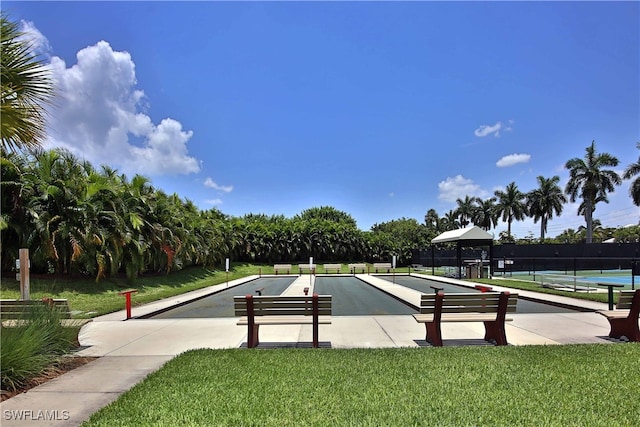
129 350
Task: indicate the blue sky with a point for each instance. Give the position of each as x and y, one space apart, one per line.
379 109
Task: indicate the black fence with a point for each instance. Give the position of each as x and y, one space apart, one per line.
557 257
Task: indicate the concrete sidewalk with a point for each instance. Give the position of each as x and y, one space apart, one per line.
129 350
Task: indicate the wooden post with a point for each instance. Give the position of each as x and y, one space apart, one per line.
315 320
24 275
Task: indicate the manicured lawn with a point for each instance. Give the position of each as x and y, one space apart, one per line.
572 385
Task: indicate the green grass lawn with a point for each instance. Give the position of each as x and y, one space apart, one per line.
571 385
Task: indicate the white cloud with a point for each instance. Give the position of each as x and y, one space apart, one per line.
213 202
211 184
38 42
99 116
458 187
513 159
485 130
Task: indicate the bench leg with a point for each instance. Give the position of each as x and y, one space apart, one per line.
494 331
315 336
434 334
252 336
627 327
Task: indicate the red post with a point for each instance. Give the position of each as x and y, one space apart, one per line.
127 296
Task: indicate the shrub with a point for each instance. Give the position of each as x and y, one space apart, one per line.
33 344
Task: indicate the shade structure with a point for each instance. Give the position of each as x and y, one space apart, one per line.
469 236
474 233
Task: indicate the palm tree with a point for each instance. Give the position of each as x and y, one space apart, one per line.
26 90
632 170
450 221
544 201
589 181
511 205
465 209
432 220
484 214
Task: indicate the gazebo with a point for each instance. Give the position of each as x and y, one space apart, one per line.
469 236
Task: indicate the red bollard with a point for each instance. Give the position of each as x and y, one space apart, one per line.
127 295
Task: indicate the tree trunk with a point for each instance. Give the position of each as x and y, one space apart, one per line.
588 216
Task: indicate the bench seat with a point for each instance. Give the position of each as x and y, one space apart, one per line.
13 312
285 320
332 267
281 268
489 308
306 267
255 311
624 320
382 266
468 317
353 268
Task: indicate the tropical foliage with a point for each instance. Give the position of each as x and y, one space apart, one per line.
589 181
632 170
77 219
511 205
26 89
544 201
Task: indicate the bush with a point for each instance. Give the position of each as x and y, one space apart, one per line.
33 344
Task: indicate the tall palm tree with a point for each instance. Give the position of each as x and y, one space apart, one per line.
465 209
544 201
632 170
590 182
27 88
484 214
511 205
450 221
432 220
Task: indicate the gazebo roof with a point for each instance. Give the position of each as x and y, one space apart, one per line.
471 235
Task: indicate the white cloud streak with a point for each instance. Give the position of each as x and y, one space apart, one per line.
513 159
211 184
485 130
98 116
495 130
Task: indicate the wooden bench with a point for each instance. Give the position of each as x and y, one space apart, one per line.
353 268
16 312
282 267
332 267
382 266
624 320
282 310
488 307
306 267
